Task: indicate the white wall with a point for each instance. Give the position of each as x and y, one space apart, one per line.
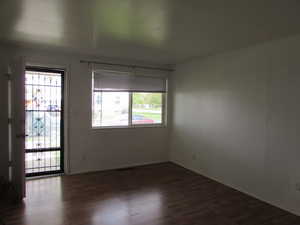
87 149
237 120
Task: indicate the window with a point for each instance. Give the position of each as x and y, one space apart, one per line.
147 108
125 100
111 109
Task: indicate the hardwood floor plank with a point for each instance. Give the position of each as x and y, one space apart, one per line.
159 194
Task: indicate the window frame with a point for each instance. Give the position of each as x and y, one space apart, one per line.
163 123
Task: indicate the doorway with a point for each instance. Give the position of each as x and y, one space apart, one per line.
44 121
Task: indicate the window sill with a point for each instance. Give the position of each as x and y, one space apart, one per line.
130 127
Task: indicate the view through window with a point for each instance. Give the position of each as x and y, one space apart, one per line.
110 108
147 108
113 108
123 99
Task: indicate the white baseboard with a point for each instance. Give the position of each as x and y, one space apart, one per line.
240 189
118 167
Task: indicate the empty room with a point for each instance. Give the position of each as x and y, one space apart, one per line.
149 112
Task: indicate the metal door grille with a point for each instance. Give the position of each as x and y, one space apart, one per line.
44 121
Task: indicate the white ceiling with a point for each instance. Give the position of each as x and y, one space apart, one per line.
160 31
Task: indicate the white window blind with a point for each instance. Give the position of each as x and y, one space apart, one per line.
105 80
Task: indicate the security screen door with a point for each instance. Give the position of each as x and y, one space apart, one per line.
44 121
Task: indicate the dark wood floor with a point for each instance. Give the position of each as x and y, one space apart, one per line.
150 195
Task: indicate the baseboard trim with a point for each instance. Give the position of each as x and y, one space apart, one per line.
238 189
127 166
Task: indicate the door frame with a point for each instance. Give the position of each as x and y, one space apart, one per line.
62 116
17 122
